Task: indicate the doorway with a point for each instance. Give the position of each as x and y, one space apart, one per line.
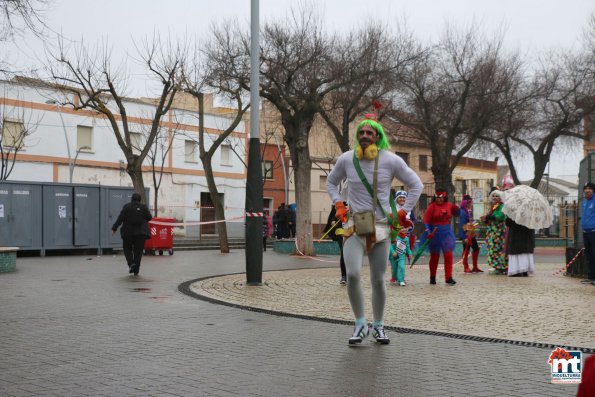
207 214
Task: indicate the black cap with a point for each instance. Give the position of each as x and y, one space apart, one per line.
135 197
589 185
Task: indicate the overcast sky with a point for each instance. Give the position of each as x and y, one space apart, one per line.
531 26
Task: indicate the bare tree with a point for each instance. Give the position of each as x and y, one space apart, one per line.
268 138
14 130
212 75
93 83
560 96
158 155
371 64
16 18
299 71
452 94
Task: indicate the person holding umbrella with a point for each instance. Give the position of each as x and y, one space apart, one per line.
437 218
467 235
526 210
496 231
520 243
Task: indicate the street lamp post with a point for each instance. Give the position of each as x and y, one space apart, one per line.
254 177
78 151
58 107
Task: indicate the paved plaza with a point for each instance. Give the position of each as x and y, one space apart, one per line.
81 326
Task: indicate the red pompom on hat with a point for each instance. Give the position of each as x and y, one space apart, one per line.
374 115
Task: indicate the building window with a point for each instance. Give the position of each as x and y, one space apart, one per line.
423 162
460 186
84 138
136 142
13 134
190 149
225 155
404 156
267 169
322 182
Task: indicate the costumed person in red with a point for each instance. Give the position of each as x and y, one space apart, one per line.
437 221
587 386
467 235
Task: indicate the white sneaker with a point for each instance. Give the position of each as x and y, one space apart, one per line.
380 335
402 283
359 333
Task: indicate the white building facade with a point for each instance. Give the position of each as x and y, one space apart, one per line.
64 145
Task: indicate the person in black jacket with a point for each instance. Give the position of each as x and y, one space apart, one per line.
282 222
135 230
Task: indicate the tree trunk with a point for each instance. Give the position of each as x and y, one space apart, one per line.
136 175
539 162
155 201
302 165
442 173
216 199
205 159
504 149
156 185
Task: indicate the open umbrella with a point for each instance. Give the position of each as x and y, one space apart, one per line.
527 207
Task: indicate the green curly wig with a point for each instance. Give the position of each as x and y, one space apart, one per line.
382 141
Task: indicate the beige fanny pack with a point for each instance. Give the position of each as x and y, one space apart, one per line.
365 221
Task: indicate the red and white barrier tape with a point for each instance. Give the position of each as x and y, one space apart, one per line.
193 223
569 263
254 214
226 207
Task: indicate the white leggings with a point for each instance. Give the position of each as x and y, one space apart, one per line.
353 252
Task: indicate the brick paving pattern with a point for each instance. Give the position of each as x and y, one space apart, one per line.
81 326
543 308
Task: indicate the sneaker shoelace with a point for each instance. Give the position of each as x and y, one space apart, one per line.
379 332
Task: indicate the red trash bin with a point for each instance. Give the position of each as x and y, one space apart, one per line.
162 236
